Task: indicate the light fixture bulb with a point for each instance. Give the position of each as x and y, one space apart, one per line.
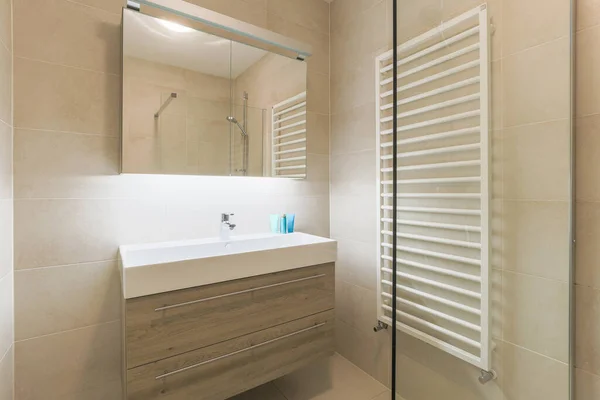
175 27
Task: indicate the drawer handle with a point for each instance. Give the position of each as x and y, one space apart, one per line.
165 375
240 292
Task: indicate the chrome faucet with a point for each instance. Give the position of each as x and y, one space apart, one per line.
226 225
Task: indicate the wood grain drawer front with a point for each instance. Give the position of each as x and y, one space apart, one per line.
225 369
173 323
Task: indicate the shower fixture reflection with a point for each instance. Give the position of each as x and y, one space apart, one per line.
235 121
165 104
244 132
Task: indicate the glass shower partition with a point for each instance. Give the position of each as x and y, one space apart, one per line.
474 198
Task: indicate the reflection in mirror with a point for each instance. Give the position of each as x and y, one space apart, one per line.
271 84
199 104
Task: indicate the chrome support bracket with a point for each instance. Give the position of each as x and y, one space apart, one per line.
487 376
380 326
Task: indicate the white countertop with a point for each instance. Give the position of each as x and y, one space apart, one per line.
148 269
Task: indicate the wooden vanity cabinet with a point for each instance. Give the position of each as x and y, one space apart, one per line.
213 342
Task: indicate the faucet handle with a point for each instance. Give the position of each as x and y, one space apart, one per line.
225 217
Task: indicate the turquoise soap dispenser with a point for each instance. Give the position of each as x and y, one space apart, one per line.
283 224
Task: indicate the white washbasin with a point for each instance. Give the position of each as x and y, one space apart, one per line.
148 269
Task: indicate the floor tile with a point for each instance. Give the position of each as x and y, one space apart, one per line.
334 378
387 395
265 392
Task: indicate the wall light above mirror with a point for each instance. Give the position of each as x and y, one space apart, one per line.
198 103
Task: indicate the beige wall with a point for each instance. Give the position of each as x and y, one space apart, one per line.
6 204
530 94
587 279
191 136
360 30
72 209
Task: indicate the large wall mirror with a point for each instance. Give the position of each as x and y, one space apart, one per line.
199 104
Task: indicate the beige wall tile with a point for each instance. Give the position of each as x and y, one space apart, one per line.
587 77
51 300
416 381
369 351
353 130
317 133
7 375
332 378
496 95
354 173
587 149
536 84
6 93
249 218
352 85
451 9
6 23
60 232
317 96
533 22
537 161
114 6
526 301
356 306
6 205
527 375
6 313
357 263
6 161
6 233
317 178
74 365
344 12
312 214
61 165
536 240
415 17
354 43
191 218
257 3
587 251
450 374
587 386
496 320
312 14
66 99
588 13
354 217
387 395
246 11
360 38
68 33
587 341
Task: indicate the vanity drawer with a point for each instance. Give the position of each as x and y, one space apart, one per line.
168 324
225 369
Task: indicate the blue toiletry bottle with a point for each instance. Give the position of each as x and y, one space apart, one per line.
283 222
291 219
